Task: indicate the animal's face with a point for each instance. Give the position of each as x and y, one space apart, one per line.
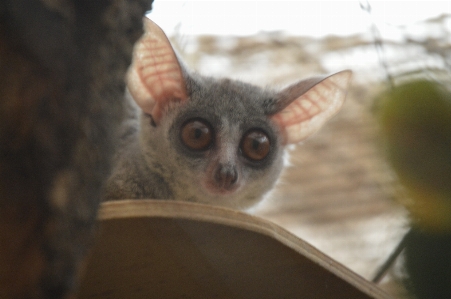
222 146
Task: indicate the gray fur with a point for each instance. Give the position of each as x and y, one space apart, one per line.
154 163
167 150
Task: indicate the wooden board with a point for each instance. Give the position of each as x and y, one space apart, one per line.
166 249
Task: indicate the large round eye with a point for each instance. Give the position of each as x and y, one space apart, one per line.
255 145
197 134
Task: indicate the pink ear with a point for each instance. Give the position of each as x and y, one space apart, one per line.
311 108
155 76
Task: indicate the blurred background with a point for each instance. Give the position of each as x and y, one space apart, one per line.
339 193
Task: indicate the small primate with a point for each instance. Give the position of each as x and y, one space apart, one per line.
215 141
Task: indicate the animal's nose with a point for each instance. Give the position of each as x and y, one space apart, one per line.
226 175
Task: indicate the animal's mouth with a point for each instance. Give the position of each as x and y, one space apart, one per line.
218 189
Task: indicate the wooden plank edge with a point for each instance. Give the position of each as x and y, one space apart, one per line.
206 213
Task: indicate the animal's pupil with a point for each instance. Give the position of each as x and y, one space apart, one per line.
197 133
255 144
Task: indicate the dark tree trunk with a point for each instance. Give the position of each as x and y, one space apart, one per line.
62 65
